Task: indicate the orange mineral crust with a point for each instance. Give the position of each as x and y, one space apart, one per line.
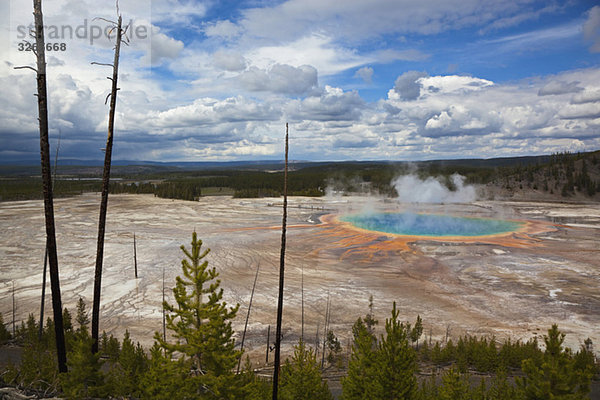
365 242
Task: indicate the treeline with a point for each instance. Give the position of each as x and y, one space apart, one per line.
245 184
28 188
182 190
566 174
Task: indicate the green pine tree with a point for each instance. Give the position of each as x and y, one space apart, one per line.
501 388
84 378
455 386
82 318
428 389
396 361
370 320
38 360
556 376
67 319
360 381
201 326
165 378
68 327
417 331
125 374
253 386
301 377
48 340
585 357
436 354
110 347
4 333
462 360
334 347
479 392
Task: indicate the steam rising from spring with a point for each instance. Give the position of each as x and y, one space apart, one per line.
412 189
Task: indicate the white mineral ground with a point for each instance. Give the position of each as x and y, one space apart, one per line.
468 288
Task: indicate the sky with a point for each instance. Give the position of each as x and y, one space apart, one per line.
355 79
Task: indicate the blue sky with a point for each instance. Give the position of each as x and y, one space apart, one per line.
356 80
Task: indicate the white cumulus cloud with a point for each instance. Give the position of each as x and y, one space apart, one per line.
365 73
280 78
559 87
229 61
591 29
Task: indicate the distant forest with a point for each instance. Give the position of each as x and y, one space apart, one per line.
563 174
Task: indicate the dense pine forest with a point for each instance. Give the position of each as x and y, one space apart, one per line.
562 176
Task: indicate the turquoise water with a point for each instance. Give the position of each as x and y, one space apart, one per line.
430 224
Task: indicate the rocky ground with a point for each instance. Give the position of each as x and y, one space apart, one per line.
515 285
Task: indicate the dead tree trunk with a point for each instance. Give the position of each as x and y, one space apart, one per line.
325 333
164 321
247 317
104 200
42 303
268 344
134 256
14 310
41 327
281 274
302 292
47 184
317 339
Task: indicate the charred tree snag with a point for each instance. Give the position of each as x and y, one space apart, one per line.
47 185
281 274
268 344
43 300
302 293
105 183
135 256
247 318
327 310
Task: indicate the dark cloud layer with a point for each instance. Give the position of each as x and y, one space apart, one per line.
407 86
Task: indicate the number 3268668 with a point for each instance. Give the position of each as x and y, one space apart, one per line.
26 46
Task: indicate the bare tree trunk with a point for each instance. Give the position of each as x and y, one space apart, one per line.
41 329
268 343
164 321
104 200
325 332
302 292
247 317
317 339
14 310
135 256
47 183
281 274
430 332
42 303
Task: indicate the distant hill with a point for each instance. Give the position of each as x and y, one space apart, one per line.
574 176
85 165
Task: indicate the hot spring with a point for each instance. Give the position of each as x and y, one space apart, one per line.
412 224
